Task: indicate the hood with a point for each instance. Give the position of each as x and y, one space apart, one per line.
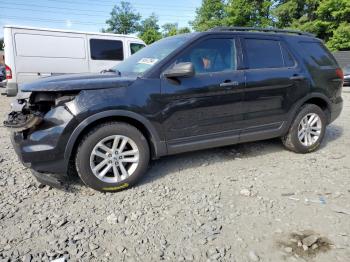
77 82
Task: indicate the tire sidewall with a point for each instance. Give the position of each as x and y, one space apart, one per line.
90 141
307 109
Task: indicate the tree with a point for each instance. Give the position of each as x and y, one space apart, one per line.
184 30
327 19
255 13
211 14
171 29
287 12
1 44
149 30
341 38
124 19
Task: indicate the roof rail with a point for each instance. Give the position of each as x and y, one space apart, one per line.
272 30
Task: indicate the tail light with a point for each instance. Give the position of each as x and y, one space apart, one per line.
8 72
339 73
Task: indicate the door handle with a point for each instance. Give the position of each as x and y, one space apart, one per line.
297 78
228 84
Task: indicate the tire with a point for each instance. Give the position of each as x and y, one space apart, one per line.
104 136
292 142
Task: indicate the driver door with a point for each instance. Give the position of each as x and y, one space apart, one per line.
206 109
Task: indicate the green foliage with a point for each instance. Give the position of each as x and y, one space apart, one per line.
1 44
211 14
341 38
124 19
150 36
327 19
252 13
149 30
171 29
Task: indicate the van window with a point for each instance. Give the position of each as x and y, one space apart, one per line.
35 45
262 53
106 49
318 53
134 47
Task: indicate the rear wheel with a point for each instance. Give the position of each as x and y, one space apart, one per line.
112 157
307 130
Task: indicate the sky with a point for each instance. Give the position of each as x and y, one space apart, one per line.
88 15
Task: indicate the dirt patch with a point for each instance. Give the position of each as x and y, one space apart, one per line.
305 244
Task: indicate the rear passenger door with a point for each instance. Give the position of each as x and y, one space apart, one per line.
274 81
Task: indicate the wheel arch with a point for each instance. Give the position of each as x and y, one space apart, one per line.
318 99
157 146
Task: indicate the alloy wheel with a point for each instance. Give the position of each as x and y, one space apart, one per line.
114 159
309 130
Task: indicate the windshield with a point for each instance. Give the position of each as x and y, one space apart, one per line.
149 56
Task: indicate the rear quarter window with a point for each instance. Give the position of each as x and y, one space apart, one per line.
267 53
318 53
106 49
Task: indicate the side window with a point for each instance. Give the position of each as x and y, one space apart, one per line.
317 52
212 55
262 53
106 49
288 59
134 47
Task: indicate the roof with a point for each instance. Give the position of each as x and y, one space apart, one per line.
259 30
67 31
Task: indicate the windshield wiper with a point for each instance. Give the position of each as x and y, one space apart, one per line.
111 70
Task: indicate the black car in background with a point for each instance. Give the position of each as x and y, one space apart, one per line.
347 76
183 93
2 73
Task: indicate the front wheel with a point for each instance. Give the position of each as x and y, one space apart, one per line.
307 130
112 157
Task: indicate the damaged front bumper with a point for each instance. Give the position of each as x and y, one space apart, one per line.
22 117
18 121
39 138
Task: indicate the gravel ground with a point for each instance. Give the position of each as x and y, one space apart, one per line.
249 202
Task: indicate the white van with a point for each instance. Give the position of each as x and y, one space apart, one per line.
31 53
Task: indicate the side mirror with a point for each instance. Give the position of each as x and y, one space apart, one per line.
180 70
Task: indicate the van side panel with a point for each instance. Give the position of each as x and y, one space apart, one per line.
41 54
32 53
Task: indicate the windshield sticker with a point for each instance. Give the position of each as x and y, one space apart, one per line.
148 61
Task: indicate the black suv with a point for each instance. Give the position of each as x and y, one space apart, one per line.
183 93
